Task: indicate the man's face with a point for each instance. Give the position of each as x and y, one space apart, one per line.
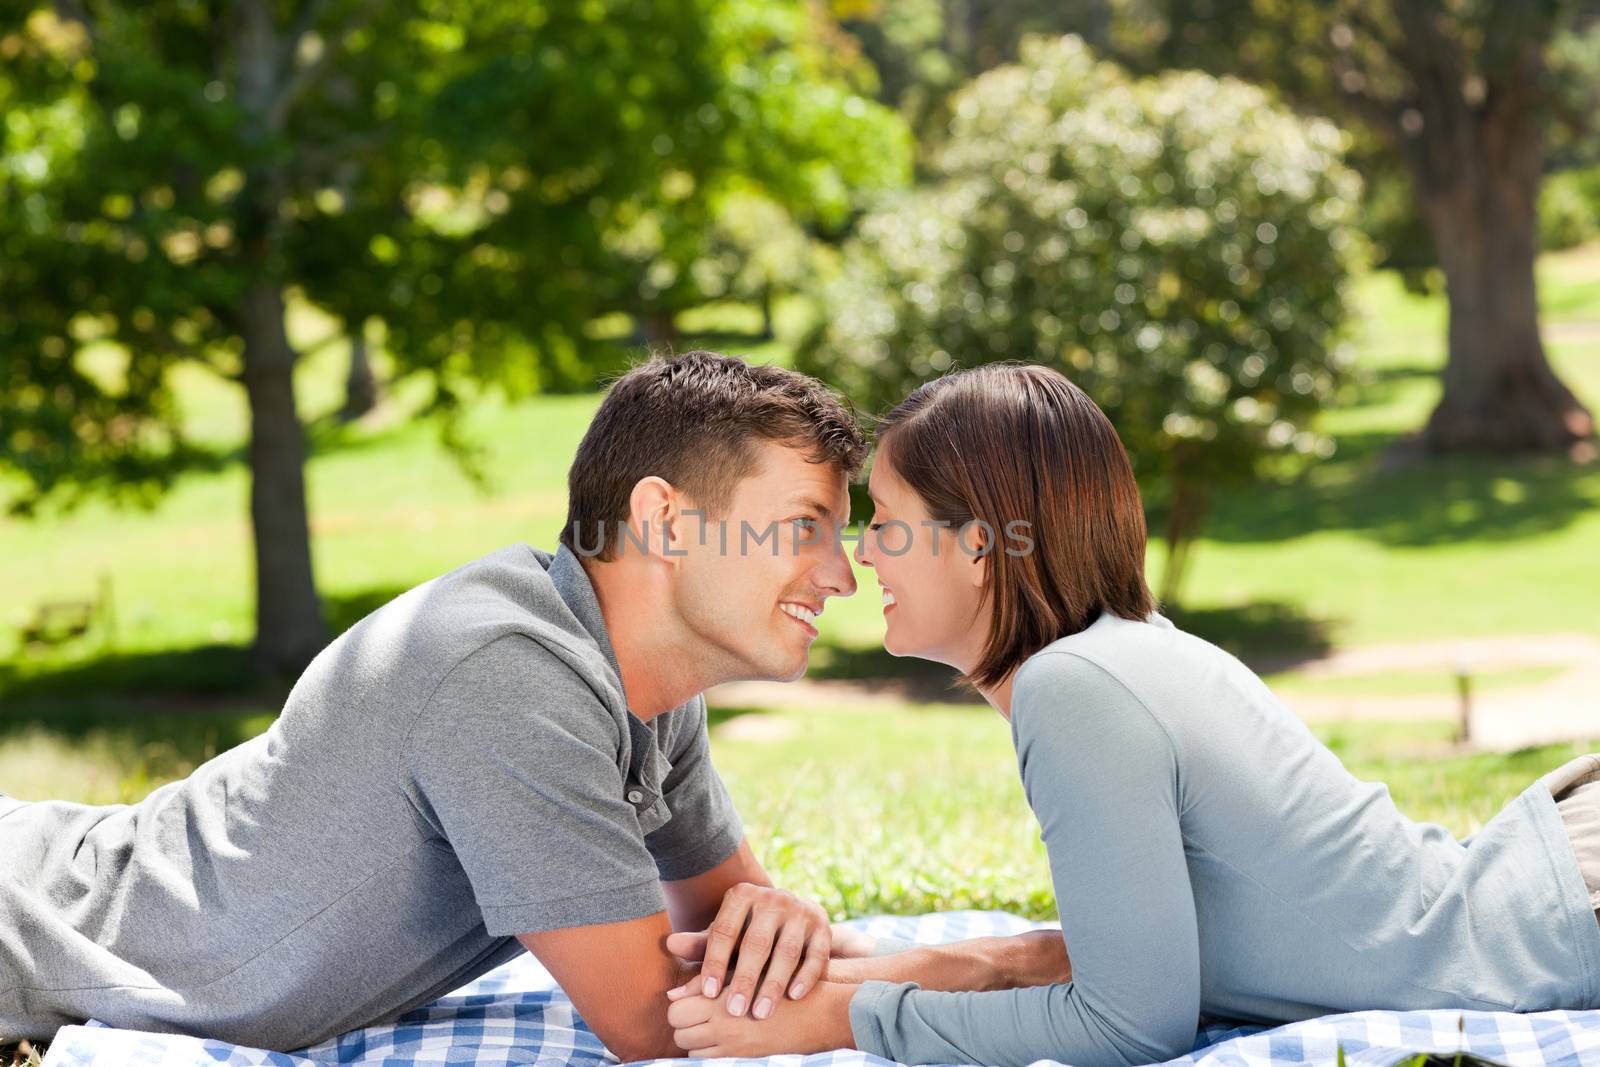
752 590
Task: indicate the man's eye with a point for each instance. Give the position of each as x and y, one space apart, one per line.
807 525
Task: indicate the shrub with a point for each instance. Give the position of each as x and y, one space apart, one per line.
1178 246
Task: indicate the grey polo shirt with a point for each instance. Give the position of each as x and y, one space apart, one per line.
458 768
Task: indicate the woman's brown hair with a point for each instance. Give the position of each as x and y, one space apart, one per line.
1026 456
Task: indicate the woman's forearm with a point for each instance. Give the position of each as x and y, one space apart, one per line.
1038 957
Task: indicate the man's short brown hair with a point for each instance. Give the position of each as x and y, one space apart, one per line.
1015 443
694 420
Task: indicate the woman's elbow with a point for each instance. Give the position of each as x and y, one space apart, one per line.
1167 1039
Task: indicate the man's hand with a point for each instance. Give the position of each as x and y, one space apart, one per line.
1039 957
770 930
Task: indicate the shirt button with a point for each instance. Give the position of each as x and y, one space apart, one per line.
635 797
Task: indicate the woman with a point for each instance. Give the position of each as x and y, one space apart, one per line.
1209 855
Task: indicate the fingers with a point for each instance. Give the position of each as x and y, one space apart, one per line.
754 951
785 958
817 953
724 938
688 945
692 1012
693 1038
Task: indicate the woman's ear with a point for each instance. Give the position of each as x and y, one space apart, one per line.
975 540
978 571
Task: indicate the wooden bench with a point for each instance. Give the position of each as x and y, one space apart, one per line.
57 622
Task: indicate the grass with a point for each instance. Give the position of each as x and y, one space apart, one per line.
906 811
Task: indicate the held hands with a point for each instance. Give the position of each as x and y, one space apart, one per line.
770 931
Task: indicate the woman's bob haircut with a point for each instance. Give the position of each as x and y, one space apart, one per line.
1027 458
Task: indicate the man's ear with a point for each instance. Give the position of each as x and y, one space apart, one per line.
651 508
663 518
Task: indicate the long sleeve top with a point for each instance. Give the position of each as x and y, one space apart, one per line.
1209 855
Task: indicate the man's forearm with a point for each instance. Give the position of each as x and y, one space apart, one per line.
983 963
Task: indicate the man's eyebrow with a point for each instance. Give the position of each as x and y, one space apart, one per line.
813 504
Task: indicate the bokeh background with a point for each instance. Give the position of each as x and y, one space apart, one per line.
303 303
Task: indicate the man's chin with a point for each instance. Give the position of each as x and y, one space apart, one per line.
790 669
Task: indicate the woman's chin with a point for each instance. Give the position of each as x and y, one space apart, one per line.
899 649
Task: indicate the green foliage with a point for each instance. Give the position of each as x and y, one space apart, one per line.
1179 246
1569 208
469 175
798 142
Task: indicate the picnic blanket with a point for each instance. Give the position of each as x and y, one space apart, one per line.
515 1014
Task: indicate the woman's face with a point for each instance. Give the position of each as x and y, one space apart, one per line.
931 576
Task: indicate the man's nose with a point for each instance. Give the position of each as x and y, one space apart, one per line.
838 578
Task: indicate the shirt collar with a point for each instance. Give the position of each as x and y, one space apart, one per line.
648 765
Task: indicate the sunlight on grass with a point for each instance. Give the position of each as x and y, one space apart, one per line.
911 810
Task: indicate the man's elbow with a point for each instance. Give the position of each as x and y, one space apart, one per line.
633 1048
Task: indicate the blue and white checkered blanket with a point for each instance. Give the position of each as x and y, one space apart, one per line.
516 1015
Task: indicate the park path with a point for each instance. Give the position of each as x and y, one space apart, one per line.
1565 707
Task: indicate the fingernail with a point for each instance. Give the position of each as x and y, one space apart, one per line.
763 1007
736 1004
798 990
711 987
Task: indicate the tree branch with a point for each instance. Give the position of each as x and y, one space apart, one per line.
75 11
305 17
300 80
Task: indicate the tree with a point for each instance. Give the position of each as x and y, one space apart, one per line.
799 144
925 49
1461 92
178 171
1179 247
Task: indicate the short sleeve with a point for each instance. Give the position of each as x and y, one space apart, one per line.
704 829
515 760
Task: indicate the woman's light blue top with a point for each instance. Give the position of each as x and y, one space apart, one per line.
1211 856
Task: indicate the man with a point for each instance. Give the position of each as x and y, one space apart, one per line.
511 756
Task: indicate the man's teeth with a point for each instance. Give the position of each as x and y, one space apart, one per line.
888 598
799 611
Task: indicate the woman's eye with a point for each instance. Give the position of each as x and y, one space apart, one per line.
875 527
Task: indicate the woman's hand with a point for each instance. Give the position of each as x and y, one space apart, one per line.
770 930
704 1028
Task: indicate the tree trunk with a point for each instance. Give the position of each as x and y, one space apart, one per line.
1478 195
657 329
768 331
360 384
1190 503
289 626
